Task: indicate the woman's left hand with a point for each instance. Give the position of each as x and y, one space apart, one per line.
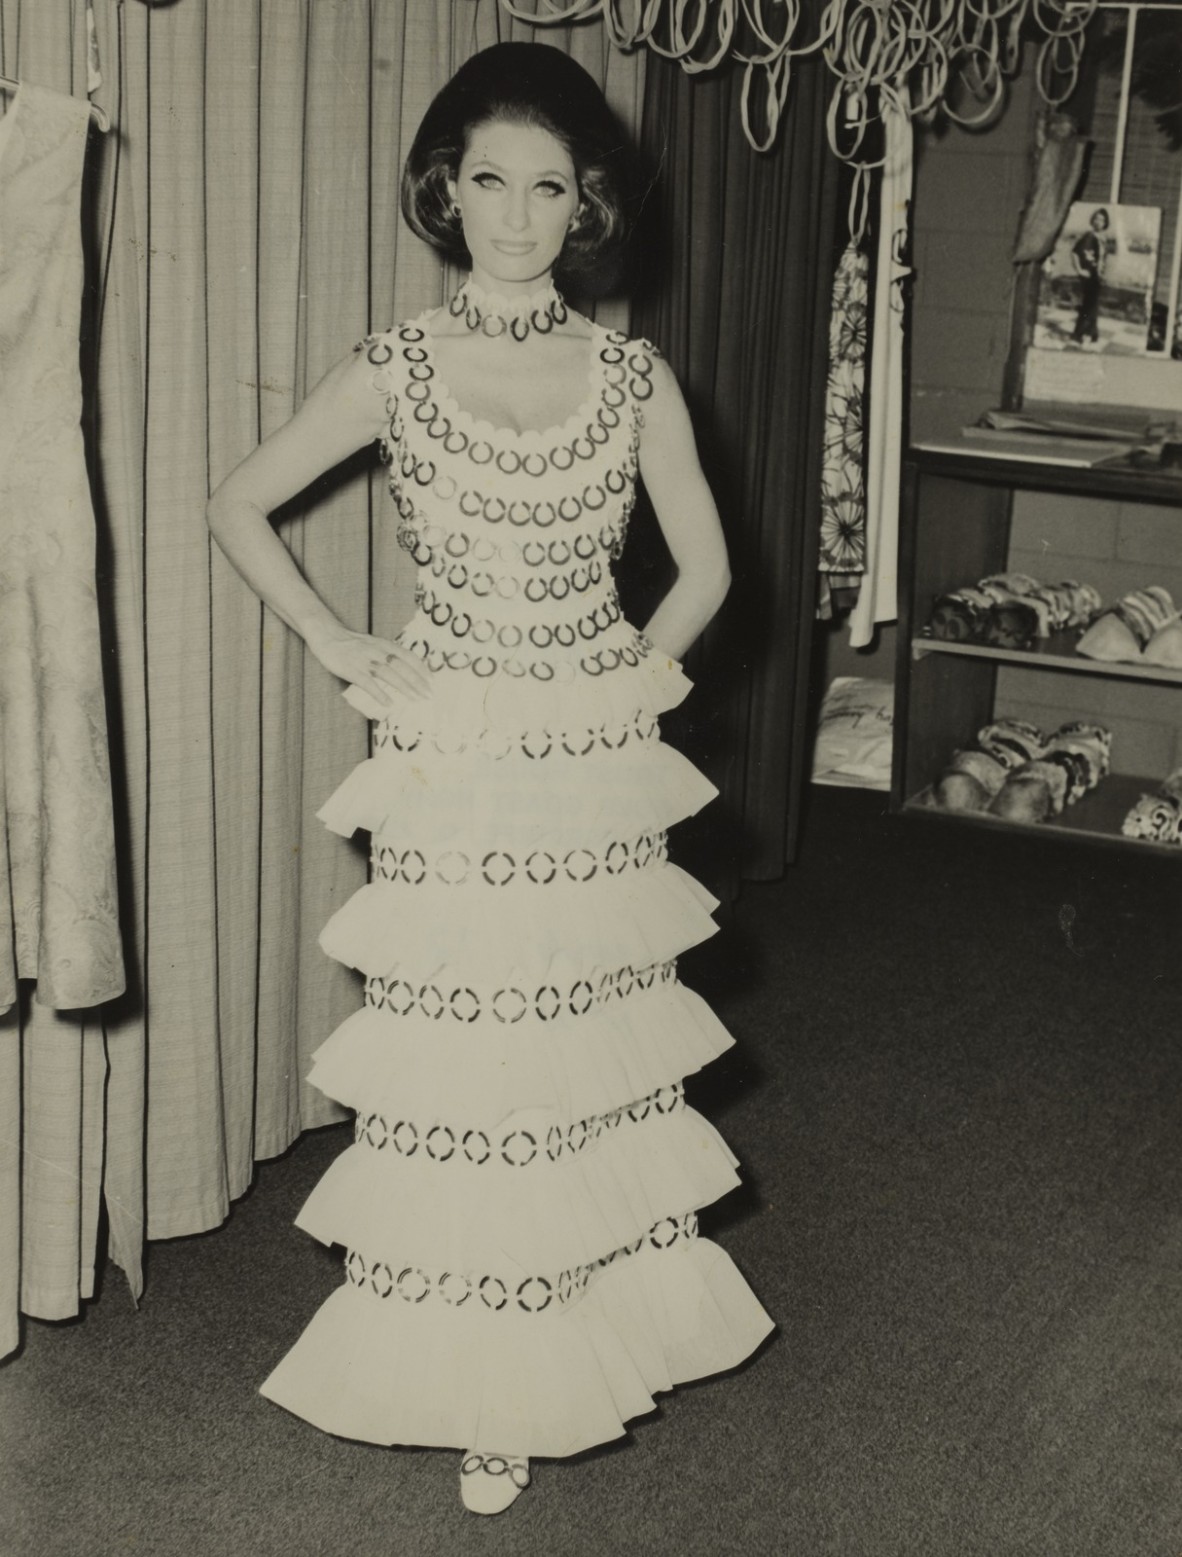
379 666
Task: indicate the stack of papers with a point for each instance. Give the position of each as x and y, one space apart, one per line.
1061 440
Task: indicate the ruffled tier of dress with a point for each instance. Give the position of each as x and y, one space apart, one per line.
487 935
600 794
624 1046
450 1367
519 1194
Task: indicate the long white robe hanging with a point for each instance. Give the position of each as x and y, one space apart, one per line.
877 599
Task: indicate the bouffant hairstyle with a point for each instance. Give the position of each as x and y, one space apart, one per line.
540 86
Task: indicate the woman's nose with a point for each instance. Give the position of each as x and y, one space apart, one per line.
517 212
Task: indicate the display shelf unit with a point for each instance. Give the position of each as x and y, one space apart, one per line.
955 528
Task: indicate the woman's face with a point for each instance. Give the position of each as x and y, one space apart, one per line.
1099 221
517 194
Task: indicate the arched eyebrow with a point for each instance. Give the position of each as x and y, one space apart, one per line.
495 167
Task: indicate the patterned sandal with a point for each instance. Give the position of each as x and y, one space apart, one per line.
1158 818
489 1483
1122 632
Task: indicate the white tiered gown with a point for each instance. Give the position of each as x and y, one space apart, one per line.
519 1207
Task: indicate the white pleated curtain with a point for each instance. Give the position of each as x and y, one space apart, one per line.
247 227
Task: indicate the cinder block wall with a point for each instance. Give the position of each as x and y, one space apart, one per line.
1117 547
969 189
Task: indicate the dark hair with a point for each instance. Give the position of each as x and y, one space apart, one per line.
540 86
1100 211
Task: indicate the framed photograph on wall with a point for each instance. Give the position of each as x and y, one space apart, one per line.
1097 284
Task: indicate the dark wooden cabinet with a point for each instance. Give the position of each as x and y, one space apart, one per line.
955 526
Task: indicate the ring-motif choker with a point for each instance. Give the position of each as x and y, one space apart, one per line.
493 315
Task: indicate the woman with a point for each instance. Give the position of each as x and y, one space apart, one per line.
1089 256
519 1204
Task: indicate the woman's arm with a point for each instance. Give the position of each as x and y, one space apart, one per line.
340 415
687 516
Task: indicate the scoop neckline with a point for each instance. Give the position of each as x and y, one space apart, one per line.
458 415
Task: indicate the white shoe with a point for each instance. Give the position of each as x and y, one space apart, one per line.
489 1483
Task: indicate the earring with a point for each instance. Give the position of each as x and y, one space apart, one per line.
455 209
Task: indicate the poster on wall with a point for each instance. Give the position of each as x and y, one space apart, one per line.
1096 287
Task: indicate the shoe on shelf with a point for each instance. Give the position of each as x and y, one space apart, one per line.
489 1483
1124 629
1165 647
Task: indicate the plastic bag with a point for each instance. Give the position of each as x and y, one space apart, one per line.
853 744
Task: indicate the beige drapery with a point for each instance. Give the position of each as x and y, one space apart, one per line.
246 233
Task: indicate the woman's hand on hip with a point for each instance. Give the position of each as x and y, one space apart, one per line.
379 666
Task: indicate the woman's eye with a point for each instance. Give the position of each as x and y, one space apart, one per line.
550 187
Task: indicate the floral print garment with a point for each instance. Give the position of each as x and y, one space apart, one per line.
843 490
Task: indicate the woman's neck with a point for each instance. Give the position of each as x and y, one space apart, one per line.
538 286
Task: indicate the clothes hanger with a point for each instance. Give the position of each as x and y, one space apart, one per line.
96 113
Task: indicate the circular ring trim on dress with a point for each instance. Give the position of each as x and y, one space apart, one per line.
519 1156
484 1147
431 1001
492 1284
412 1136
449 1148
444 1286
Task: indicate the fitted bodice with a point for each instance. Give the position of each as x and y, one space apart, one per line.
513 533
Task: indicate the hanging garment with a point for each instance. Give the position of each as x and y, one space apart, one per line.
843 493
877 599
58 909
1059 159
520 1204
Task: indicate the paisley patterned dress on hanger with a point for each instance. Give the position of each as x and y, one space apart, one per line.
523 1267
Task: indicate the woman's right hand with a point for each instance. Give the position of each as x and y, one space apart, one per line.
378 666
